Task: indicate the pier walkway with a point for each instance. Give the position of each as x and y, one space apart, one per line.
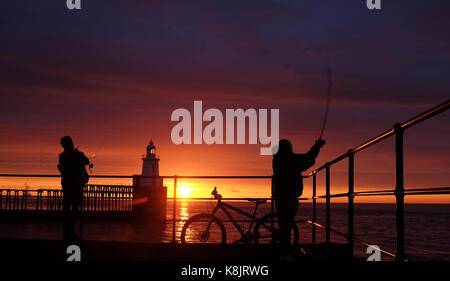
55 250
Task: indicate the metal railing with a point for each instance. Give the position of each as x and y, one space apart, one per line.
108 198
95 198
399 192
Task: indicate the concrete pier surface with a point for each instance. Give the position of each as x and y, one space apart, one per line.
55 250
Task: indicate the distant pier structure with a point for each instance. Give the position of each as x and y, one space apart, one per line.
149 192
145 199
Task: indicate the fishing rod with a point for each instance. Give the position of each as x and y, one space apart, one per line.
91 162
327 106
329 82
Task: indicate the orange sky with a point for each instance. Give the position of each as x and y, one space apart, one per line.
121 156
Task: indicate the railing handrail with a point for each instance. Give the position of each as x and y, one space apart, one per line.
399 192
409 123
129 177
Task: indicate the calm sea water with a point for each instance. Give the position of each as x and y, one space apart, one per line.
427 227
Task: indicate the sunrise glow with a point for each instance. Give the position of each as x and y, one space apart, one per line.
184 191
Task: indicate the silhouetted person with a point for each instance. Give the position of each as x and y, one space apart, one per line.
288 185
72 164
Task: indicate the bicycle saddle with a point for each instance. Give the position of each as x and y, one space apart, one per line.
258 201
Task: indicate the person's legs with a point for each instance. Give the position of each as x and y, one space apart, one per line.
76 204
291 212
71 203
67 205
286 212
77 197
283 223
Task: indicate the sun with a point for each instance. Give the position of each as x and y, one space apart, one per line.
184 191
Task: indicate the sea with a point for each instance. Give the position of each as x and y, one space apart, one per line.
427 227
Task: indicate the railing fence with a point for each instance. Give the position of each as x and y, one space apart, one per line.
95 198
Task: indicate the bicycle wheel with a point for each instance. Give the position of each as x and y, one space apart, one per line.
264 234
194 230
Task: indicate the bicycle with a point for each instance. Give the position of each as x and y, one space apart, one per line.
207 228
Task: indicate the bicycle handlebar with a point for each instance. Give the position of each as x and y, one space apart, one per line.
216 194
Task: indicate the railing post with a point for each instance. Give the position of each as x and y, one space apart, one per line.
314 210
37 199
95 197
15 199
327 206
81 213
174 208
24 200
49 199
351 182
399 193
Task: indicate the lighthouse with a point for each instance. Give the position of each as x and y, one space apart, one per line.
149 193
150 167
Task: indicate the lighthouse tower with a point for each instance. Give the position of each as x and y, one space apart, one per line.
150 167
149 194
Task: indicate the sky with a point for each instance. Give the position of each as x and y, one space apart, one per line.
111 74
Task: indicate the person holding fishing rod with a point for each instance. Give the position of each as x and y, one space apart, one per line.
72 166
288 186
287 183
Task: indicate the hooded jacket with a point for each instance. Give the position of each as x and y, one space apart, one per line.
287 168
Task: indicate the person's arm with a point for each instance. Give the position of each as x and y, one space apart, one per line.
315 149
306 161
84 160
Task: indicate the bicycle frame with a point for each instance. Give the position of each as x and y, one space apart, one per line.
223 206
251 235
